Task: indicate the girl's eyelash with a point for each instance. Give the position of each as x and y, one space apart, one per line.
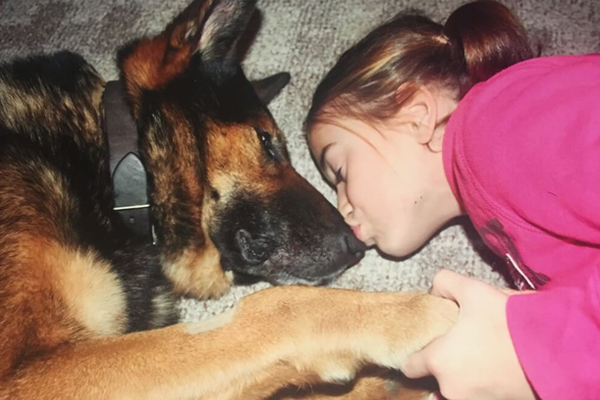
338 176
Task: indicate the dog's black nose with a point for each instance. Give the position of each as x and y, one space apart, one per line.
352 249
253 249
355 246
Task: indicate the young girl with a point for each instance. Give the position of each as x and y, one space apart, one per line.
419 123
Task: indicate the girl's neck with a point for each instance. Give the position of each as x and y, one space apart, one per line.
449 205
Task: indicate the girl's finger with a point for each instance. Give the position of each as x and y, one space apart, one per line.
416 365
449 284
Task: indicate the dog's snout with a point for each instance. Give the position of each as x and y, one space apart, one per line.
354 247
254 250
348 249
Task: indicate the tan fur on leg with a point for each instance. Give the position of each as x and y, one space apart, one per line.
276 337
372 383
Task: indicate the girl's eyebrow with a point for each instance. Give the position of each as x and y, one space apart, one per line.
322 160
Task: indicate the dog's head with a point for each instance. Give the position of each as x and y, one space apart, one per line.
222 187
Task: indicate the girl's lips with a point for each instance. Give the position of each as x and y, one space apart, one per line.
356 230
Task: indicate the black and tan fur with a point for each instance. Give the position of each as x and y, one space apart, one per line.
87 308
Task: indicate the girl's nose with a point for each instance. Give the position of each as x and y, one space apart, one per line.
344 205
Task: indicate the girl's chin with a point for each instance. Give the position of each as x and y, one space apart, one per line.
393 250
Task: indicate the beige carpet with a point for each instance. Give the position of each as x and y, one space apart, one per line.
303 37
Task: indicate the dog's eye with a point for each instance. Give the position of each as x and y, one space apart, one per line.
267 143
214 194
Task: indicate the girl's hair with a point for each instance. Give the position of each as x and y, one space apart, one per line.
371 80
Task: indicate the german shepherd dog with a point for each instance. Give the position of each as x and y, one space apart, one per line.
87 306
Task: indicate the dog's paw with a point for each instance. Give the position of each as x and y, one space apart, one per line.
408 327
378 328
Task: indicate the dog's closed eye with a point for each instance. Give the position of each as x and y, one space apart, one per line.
267 143
214 194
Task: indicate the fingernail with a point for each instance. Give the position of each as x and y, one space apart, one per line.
435 396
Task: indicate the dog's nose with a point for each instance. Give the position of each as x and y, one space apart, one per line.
352 248
253 249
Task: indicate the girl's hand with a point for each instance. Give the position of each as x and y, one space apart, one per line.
476 358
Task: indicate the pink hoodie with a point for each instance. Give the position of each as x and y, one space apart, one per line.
522 155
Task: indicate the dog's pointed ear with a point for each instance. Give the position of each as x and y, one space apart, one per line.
185 30
224 25
268 88
210 27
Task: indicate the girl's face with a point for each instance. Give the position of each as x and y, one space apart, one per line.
391 188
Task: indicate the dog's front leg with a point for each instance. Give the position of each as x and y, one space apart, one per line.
340 331
276 337
372 383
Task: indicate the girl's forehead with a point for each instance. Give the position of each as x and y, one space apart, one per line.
324 135
346 131
341 127
339 139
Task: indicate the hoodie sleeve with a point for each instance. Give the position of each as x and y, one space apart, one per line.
556 334
527 151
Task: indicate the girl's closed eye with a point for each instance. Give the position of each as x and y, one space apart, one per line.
339 176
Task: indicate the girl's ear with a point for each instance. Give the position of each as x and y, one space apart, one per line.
419 112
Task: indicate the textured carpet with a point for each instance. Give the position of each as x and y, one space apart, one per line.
303 37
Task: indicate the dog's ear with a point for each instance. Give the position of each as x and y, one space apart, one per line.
268 88
210 27
224 25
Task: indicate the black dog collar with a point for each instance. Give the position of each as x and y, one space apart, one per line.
126 168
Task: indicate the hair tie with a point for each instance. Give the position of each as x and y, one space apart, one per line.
442 39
